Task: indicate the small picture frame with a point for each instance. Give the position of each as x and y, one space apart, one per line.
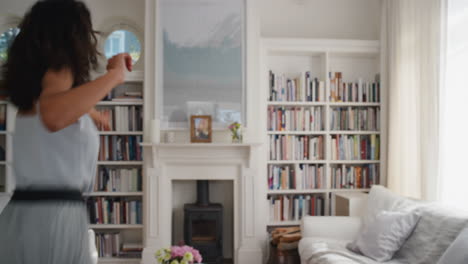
200 129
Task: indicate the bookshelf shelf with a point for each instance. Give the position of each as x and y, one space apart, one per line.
120 132
296 162
336 132
111 103
115 194
353 161
118 260
271 192
296 133
108 226
329 81
280 103
120 162
284 223
353 104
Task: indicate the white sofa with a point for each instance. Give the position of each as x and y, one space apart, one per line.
324 239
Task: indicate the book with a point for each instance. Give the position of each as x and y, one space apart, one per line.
295 118
292 147
115 210
355 118
302 88
294 207
357 91
120 148
355 176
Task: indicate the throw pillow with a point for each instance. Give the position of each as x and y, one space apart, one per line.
385 234
457 252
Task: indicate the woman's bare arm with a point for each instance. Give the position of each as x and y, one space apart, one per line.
61 106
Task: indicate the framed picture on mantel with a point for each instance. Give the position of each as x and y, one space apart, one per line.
200 129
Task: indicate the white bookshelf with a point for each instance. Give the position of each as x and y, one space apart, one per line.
6 142
354 59
132 233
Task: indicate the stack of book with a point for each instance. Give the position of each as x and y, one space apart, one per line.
285 177
108 244
355 118
287 147
123 118
355 147
303 88
295 118
352 177
294 207
114 211
120 148
131 250
359 91
118 180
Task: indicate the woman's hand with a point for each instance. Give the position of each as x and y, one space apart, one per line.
101 121
119 64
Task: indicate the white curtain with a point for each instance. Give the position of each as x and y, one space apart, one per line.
454 108
411 44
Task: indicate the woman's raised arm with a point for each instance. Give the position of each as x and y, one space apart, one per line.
61 106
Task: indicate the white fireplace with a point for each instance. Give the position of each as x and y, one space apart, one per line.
179 162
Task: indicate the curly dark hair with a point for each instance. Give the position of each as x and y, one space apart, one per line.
53 35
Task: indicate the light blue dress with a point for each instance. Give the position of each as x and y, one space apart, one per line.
49 232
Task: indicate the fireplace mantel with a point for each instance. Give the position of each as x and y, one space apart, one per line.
168 162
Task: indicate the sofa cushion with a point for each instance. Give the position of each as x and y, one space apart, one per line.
457 252
382 199
331 251
435 231
385 235
327 250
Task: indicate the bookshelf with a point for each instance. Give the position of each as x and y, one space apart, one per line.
118 183
7 118
325 124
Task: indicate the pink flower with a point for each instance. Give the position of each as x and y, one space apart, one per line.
177 252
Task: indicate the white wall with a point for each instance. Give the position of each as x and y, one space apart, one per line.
341 19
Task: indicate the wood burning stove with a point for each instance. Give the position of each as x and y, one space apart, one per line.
203 225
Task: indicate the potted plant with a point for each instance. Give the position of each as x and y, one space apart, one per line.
178 255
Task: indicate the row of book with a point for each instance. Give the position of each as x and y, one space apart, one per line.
294 207
120 148
355 147
3 117
303 88
352 177
118 180
128 96
116 211
355 118
288 147
301 177
110 245
295 118
360 91
122 118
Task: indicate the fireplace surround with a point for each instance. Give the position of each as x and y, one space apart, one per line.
233 162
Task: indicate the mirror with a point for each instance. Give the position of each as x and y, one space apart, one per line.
6 39
120 41
202 67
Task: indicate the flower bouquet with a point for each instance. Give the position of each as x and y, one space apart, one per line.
236 132
178 255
